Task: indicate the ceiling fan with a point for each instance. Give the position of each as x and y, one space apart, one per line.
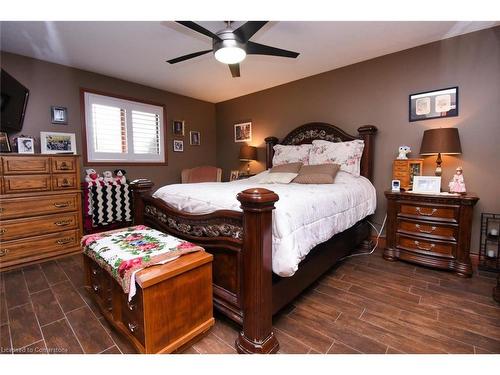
231 46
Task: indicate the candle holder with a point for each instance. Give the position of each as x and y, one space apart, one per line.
489 243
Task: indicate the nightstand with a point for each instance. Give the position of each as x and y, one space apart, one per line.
430 230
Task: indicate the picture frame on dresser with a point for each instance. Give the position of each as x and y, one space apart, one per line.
25 145
57 143
4 142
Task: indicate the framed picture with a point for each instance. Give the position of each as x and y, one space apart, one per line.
178 128
234 175
427 184
434 104
57 143
4 142
194 138
59 115
25 145
243 132
178 145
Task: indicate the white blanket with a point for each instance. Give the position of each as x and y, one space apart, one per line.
305 215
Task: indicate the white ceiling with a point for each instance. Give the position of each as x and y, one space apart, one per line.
136 51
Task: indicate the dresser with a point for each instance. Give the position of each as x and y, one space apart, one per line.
431 230
40 208
404 170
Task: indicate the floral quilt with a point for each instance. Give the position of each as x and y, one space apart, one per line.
124 252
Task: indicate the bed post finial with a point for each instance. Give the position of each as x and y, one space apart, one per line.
140 188
270 143
367 133
257 335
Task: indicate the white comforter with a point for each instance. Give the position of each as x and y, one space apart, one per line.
305 215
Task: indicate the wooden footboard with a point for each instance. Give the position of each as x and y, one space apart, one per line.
241 243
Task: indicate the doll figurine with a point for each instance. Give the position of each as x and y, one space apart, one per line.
403 151
457 184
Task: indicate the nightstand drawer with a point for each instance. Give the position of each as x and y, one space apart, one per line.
401 168
434 230
427 247
423 211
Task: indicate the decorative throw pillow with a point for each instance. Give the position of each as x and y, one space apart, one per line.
286 168
347 154
291 154
317 174
277 178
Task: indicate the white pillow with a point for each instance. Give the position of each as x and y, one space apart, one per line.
277 178
291 154
347 154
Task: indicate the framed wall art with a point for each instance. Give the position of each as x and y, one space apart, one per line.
178 145
59 115
243 132
178 128
57 143
433 104
194 138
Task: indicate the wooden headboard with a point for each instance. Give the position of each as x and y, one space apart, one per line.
327 132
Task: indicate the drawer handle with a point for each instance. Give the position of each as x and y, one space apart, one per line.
419 211
62 205
96 288
417 244
425 231
4 252
131 306
132 327
66 183
64 166
64 241
63 223
3 230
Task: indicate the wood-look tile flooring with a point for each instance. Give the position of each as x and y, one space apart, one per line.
364 305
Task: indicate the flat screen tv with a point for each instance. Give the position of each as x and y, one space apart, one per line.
14 98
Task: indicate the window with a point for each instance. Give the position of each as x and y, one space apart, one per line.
124 131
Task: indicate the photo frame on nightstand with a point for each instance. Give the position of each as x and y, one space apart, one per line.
427 184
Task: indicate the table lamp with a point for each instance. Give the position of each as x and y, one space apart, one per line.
440 141
248 153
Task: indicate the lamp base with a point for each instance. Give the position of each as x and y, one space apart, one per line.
438 170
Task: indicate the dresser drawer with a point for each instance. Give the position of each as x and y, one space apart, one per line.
398 175
429 212
26 184
64 181
434 230
27 227
400 168
132 315
425 246
63 165
37 247
38 205
25 165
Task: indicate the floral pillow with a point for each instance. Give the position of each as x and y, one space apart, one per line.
347 154
291 154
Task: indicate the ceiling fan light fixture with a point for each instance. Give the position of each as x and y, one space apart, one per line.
230 52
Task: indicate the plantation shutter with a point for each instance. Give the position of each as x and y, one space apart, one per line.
123 130
146 128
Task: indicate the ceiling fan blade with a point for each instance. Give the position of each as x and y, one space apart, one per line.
261 49
187 57
248 29
194 26
235 70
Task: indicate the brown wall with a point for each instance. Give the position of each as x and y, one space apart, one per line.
53 84
376 92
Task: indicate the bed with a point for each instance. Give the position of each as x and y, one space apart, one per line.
241 237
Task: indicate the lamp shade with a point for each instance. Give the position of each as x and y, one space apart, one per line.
248 153
440 141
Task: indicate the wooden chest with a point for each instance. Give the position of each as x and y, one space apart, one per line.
172 306
40 208
431 230
405 169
